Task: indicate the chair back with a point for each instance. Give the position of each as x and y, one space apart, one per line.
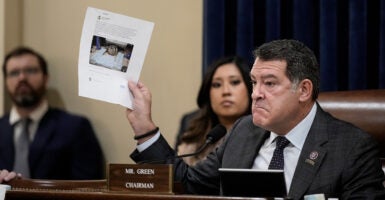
363 108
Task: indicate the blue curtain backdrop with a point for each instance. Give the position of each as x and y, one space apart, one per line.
347 36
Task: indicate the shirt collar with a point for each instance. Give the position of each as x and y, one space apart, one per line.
35 115
298 134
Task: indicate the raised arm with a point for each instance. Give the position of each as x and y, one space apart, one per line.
140 116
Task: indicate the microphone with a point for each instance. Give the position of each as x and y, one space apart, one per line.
213 136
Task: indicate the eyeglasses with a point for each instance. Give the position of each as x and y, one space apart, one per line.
29 71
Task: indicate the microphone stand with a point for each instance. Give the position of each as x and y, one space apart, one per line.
208 141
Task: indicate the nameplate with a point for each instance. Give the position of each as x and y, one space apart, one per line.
141 178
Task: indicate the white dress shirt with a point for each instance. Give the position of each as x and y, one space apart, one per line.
35 117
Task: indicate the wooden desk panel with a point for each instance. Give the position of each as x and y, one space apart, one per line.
76 195
91 190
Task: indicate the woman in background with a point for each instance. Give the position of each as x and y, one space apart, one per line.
224 96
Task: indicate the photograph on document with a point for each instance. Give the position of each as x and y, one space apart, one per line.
110 53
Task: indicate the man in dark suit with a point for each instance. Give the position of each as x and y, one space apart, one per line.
323 155
61 145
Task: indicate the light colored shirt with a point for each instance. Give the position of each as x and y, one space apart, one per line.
35 117
149 142
297 137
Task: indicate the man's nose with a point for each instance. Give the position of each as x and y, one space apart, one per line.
257 92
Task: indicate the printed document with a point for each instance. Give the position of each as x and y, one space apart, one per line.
112 51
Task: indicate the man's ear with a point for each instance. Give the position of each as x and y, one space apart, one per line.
305 90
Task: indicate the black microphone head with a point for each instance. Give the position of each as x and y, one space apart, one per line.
216 133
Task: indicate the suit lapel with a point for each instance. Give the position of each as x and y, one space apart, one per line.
43 136
312 155
247 156
251 137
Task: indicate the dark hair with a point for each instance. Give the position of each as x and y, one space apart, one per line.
301 61
23 51
205 119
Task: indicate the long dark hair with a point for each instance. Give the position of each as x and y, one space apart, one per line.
205 118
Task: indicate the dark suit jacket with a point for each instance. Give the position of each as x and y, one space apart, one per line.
347 165
65 147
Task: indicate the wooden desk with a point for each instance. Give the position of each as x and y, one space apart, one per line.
72 195
90 190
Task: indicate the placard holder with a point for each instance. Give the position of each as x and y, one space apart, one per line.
141 178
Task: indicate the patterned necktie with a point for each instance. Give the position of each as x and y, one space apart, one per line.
21 150
277 161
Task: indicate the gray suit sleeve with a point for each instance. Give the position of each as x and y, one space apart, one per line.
200 179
